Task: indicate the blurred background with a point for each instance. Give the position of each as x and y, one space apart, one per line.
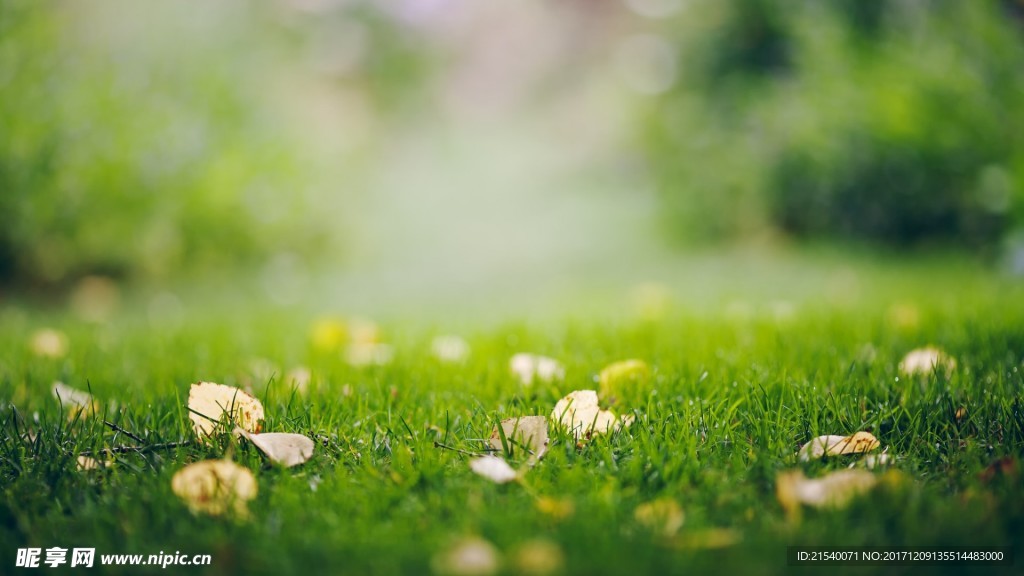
394 155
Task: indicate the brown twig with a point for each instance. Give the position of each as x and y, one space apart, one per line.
117 428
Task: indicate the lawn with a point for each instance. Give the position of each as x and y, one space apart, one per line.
736 388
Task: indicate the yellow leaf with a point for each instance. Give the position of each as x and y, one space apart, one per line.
556 508
838 445
539 557
48 343
616 379
663 516
328 334
86 463
215 487
209 402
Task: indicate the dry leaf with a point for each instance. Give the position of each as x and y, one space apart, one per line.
95 298
838 445
872 461
539 557
530 432
708 539
924 361
580 413
451 349
215 487
832 490
208 402
285 449
48 343
556 508
531 367
663 516
494 469
74 402
472 556
328 334
616 378
299 377
651 301
368 354
86 463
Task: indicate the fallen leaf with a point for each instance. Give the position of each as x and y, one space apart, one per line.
451 349
873 461
208 402
95 298
368 354
663 516
651 301
960 413
471 556
493 468
48 343
556 508
85 463
215 487
328 334
538 557
74 401
616 379
530 432
925 361
708 539
580 413
838 445
1003 467
531 367
299 377
282 448
834 490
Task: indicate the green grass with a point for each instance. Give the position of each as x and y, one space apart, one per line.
732 399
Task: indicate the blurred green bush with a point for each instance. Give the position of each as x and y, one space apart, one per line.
139 141
877 120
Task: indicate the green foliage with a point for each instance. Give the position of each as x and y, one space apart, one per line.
877 121
729 403
139 141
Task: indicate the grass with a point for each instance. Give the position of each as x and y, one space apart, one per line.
735 392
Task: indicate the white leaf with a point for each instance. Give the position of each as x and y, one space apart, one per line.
832 490
924 361
472 556
530 367
86 463
48 343
451 349
74 401
368 354
530 432
580 413
493 468
282 448
208 402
